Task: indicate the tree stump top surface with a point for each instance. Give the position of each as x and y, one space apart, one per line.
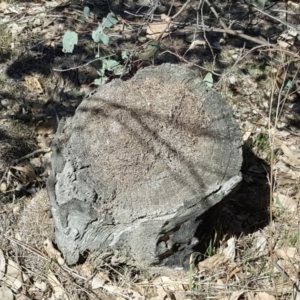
144 124
159 149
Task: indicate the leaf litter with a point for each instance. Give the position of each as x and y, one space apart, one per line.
243 272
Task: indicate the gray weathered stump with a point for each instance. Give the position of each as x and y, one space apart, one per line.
136 168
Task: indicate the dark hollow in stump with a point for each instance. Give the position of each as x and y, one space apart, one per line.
139 165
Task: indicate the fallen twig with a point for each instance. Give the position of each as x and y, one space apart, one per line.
16 161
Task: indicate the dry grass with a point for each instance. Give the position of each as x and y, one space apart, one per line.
262 217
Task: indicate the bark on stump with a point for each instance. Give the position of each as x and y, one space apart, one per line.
138 166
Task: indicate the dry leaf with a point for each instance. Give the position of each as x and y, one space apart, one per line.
283 44
52 252
165 17
33 84
293 33
287 254
16 29
263 296
123 292
234 296
220 285
233 272
296 296
285 180
41 285
196 43
294 4
16 209
280 76
229 251
6 293
157 30
166 288
22 297
261 245
100 280
58 290
46 128
246 135
3 187
211 262
226 254
3 6
2 264
249 295
286 202
86 270
293 160
43 142
28 171
286 266
14 275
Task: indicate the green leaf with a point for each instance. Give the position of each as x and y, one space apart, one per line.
86 11
268 68
104 39
75 94
153 45
110 20
101 71
96 34
287 85
124 55
70 39
100 80
111 64
208 80
152 49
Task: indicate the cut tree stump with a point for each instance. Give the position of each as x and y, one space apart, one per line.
138 166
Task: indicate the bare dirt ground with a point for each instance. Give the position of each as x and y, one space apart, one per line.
248 53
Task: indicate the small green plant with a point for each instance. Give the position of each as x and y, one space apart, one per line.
194 256
70 39
208 79
262 142
211 249
108 65
294 238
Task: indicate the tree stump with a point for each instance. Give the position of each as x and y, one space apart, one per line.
139 165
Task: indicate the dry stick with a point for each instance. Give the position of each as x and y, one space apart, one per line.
274 18
84 65
232 32
272 142
43 256
238 60
181 10
188 62
289 53
201 2
274 47
256 48
16 161
171 7
286 276
288 92
23 116
65 268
